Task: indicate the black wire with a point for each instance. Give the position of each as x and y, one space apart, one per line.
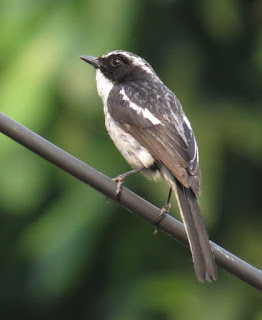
127 199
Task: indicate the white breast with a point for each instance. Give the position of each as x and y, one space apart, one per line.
136 155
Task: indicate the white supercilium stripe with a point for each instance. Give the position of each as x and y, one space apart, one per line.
136 60
145 112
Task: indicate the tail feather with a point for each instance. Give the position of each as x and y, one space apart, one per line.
203 258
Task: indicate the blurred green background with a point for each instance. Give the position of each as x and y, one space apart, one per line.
66 253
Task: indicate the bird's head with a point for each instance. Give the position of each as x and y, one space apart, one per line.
121 66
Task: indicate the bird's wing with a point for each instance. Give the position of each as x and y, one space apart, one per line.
154 117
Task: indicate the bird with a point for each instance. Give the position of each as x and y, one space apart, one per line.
147 124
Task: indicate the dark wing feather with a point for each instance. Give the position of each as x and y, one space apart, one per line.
172 142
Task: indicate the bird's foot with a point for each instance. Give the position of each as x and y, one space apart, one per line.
120 180
163 211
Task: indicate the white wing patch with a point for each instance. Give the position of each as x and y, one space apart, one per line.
187 122
145 112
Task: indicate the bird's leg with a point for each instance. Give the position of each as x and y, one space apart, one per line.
121 178
167 206
165 209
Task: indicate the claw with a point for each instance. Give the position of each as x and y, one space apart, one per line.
164 210
120 180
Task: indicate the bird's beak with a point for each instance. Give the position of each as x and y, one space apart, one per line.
91 60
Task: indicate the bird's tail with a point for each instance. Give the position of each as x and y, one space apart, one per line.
203 258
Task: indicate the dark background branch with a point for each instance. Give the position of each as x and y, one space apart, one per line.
127 199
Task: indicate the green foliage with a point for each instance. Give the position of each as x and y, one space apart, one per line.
65 252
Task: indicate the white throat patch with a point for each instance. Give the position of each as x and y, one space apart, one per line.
104 85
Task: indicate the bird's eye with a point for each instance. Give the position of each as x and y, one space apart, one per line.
116 62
